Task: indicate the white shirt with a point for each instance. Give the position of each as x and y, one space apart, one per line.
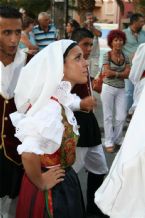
9 75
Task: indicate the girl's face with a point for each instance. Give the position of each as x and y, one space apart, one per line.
117 43
75 67
69 28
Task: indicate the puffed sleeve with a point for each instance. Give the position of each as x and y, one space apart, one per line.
75 104
42 132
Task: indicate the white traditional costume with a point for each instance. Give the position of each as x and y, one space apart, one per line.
122 194
46 126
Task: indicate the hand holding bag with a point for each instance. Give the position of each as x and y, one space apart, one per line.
98 82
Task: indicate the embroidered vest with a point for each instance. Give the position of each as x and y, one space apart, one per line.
7 140
65 155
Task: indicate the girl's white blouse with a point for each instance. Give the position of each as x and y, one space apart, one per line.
42 132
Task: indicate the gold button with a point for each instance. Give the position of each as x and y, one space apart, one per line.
4 136
6 101
6 118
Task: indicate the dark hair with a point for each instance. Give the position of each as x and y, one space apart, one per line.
7 11
135 17
26 22
68 49
74 24
80 34
115 34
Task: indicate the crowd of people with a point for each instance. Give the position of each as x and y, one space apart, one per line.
49 131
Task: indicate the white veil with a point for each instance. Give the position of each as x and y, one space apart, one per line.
40 77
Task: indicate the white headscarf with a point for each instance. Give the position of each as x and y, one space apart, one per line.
40 77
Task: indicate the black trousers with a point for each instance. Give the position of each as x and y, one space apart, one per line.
93 183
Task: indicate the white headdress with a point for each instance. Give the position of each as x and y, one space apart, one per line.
40 77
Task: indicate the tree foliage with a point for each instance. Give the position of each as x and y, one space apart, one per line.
33 7
86 5
139 5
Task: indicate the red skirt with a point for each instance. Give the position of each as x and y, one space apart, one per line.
31 202
67 200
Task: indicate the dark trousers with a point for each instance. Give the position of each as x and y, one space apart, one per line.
93 183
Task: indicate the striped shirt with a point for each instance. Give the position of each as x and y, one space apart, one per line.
115 82
44 38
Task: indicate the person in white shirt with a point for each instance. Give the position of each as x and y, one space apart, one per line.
11 62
